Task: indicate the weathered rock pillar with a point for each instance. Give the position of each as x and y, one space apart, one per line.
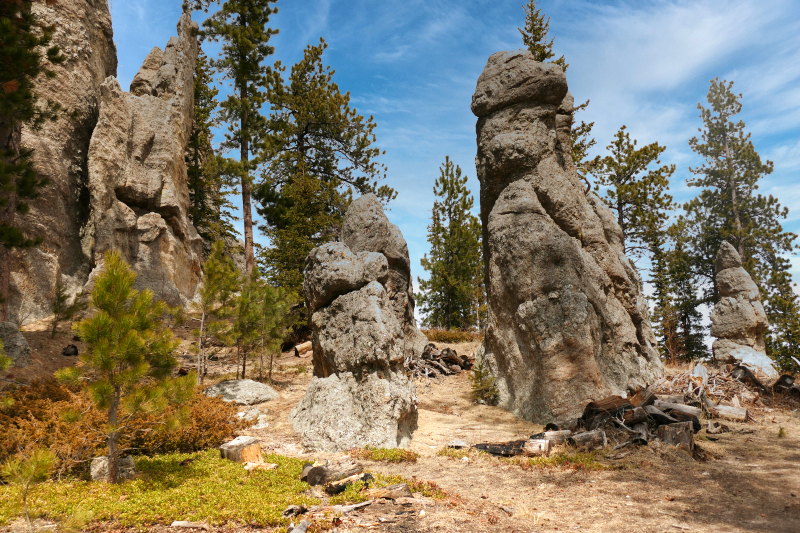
567 321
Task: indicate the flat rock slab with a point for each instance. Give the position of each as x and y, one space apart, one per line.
242 391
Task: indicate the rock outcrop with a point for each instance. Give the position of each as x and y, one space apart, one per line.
360 395
567 320
14 345
115 163
137 174
738 322
61 213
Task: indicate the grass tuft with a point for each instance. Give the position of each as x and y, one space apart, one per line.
781 432
386 455
451 336
566 460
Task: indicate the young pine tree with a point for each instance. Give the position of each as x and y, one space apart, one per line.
448 297
25 470
729 209
638 196
319 152
215 299
241 26
274 319
534 35
129 354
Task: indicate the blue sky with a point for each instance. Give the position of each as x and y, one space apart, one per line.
413 64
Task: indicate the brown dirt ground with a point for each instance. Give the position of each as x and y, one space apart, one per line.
749 481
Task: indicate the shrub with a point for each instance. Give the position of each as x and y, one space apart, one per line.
452 336
484 387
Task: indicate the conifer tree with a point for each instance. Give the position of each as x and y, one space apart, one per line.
129 354
534 35
729 209
21 39
274 319
448 297
215 299
241 25
582 142
319 152
637 196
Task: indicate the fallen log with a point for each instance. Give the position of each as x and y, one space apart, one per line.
537 447
558 437
634 416
392 492
589 439
746 376
301 350
671 398
683 417
660 417
687 409
322 475
642 435
503 449
339 486
737 414
679 435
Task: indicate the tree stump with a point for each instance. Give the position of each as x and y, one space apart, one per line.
242 450
679 435
536 447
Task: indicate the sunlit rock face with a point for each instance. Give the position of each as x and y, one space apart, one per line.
567 320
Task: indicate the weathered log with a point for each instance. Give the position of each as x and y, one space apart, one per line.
574 424
322 475
503 449
683 417
671 398
242 450
642 435
658 415
737 414
715 428
558 437
688 409
430 352
609 404
450 357
783 384
589 439
746 376
466 363
679 435
634 416
392 492
537 447
302 349
302 527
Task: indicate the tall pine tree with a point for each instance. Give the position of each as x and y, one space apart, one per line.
241 26
729 209
318 152
450 298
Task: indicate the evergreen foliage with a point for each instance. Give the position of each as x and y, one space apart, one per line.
451 297
637 196
215 297
5 361
729 209
129 354
534 35
27 469
241 26
209 188
484 385
318 152
582 142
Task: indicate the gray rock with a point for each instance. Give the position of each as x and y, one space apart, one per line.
365 228
142 83
14 345
738 321
343 411
126 468
242 391
332 270
567 321
82 30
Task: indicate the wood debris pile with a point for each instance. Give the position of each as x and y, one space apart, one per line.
435 363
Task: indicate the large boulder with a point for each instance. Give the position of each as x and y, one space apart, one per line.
567 320
14 345
137 174
242 392
738 321
365 228
359 297
59 216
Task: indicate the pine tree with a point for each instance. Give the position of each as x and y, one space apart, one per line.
274 319
129 355
637 196
209 206
241 25
581 144
319 152
534 35
728 209
21 62
215 300
26 469
448 298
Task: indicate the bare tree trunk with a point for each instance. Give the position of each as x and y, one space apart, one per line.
244 361
200 359
113 438
247 215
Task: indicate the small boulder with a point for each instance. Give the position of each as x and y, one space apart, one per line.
70 350
126 468
15 345
242 391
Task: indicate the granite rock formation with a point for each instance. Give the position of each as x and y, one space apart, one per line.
567 321
15 346
137 174
738 321
360 395
60 215
115 165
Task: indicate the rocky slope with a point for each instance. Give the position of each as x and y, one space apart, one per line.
115 165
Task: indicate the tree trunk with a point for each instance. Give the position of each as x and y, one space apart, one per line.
247 216
734 202
113 437
244 361
5 282
200 359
